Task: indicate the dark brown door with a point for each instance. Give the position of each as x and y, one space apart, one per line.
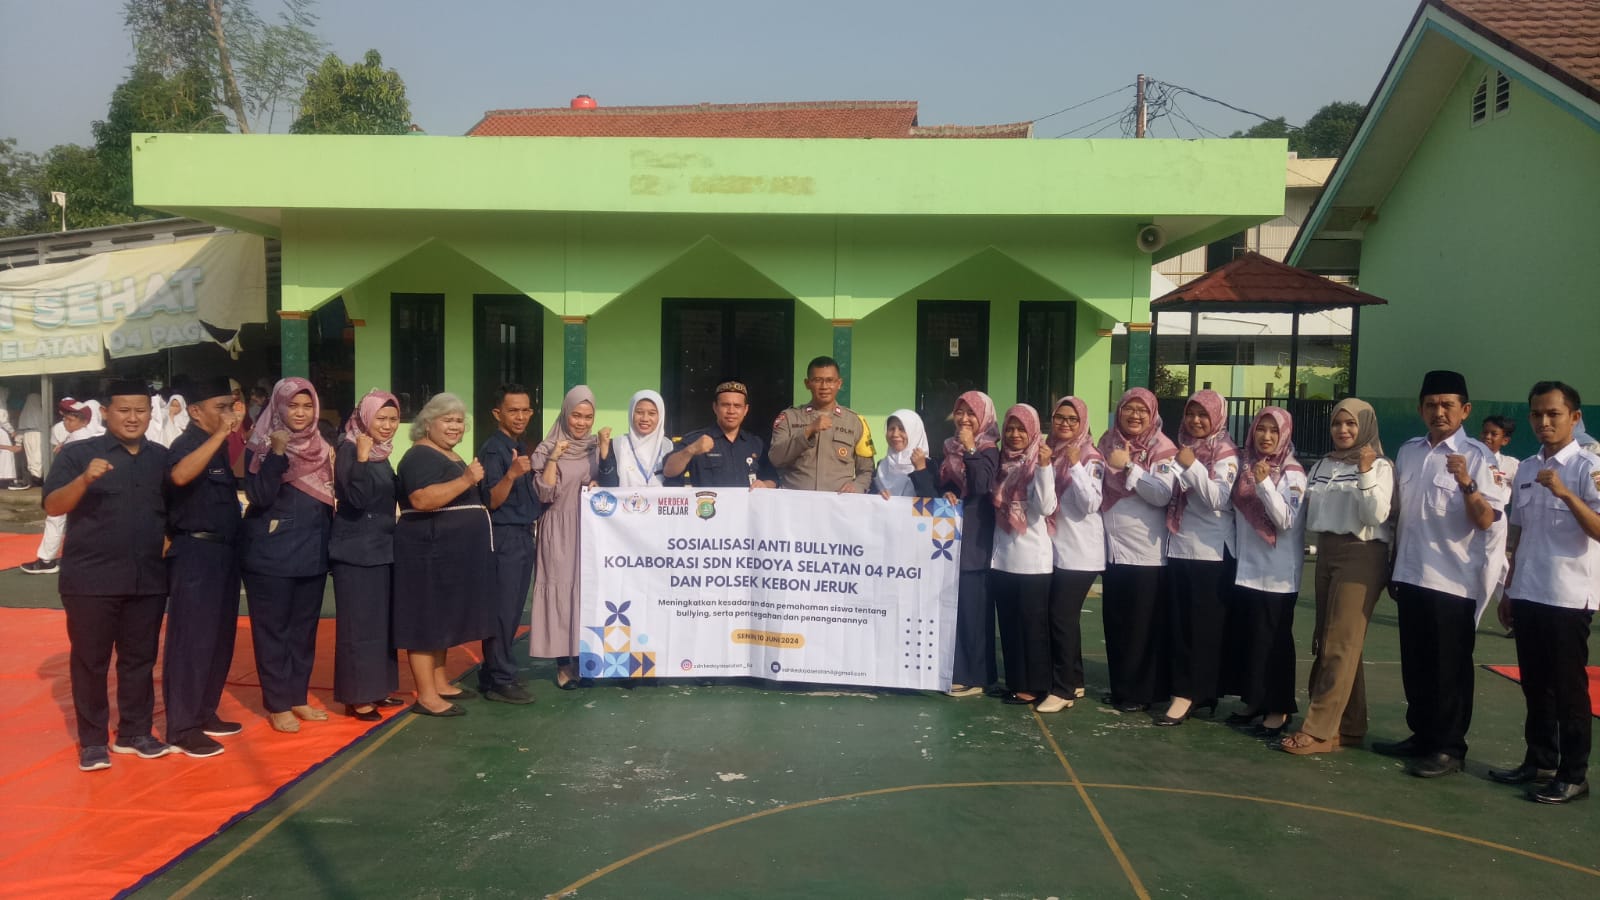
508 348
1045 332
706 342
952 358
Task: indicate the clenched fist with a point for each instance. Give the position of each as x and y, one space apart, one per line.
1044 454
96 468
1186 457
1118 460
474 471
1367 457
280 441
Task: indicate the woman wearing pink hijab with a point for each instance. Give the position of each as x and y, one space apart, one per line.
284 546
1140 476
1270 541
1024 501
1200 555
1079 542
966 477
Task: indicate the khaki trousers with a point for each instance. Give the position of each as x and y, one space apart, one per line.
1350 576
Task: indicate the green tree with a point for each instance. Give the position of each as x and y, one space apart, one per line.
1326 133
360 98
93 196
151 102
252 65
19 173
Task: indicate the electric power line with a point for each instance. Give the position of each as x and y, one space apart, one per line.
1118 114
1085 103
1184 90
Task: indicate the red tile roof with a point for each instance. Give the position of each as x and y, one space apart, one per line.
825 119
1561 37
1255 283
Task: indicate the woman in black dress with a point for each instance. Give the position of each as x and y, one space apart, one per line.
442 554
361 552
284 547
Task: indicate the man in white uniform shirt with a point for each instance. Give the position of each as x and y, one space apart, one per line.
1551 597
1449 499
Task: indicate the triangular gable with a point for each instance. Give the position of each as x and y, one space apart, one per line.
1441 41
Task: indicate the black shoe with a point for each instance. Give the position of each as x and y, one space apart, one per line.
93 759
144 746
1410 747
1277 731
197 745
508 693
216 727
1209 706
1435 765
42 567
1014 700
1243 717
1163 720
449 713
1558 792
390 702
1523 774
462 694
371 715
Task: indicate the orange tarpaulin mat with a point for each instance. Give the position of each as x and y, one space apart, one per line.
94 834
1515 674
16 549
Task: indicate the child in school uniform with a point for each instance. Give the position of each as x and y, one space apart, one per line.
1495 433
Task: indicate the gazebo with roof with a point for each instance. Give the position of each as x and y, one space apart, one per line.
1253 283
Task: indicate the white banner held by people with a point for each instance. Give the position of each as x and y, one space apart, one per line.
785 585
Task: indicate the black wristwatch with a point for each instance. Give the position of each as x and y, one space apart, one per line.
1470 488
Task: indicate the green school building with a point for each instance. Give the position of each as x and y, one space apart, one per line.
927 267
1466 199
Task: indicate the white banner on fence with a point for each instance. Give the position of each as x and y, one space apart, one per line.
785 585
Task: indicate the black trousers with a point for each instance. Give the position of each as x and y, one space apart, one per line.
1136 636
1197 620
974 664
1269 682
365 669
283 630
1553 651
202 622
1022 603
95 626
1067 592
513 570
1437 631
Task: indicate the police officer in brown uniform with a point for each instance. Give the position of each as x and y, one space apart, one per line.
822 446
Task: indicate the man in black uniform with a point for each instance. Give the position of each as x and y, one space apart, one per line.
113 583
203 570
725 455
514 507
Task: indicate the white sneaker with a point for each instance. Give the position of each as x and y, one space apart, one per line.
1053 704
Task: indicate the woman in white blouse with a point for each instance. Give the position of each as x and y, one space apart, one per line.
1200 555
1348 502
1079 542
1138 483
1269 541
1024 501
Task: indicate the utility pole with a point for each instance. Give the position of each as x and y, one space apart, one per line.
1138 128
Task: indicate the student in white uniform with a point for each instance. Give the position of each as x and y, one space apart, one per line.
1449 499
1551 596
1024 501
80 420
1349 497
1140 475
1199 555
1495 433
1079 539
1270 541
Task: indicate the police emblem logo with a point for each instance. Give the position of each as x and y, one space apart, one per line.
844 452
1595 477
705 504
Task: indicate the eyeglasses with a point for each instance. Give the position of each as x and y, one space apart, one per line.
1065 420
826 382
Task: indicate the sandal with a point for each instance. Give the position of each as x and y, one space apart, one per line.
1302 744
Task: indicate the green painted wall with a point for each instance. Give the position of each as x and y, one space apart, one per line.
1485 251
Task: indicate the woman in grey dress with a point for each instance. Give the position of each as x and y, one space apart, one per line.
566 462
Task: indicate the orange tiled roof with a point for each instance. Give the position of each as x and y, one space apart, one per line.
1255 283
824 119
1562 37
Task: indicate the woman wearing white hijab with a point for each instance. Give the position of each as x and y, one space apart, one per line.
177 417
636 458
156 431
8 441
904 472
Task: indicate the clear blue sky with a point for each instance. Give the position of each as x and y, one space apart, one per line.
966 62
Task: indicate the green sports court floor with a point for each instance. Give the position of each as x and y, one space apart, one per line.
754 790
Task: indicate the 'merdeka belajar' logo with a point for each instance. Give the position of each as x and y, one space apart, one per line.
672 506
